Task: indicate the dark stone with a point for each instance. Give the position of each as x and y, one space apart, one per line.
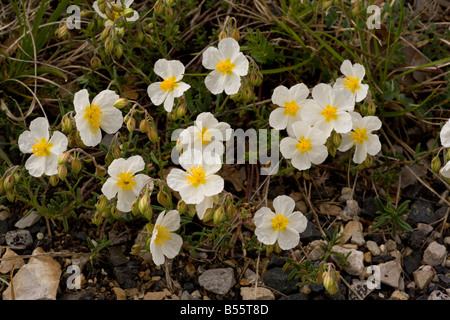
422 211
382 259
189 287
276 261
4 227
417 239
80 295
440 269
311 233
368 209
278 280
316 288
19 239
423 297
410 264
81 235
157 286
116 256
158 272
444 279
126 275
432 287
378 238
296 296
440 213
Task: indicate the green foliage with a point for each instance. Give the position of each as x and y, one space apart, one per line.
392 215
260 48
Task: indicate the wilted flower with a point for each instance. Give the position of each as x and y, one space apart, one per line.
101 113
165 243
228 65
362 137
171 87
125 182
45 150
283 226
117 14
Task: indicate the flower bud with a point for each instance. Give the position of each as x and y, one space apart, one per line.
181 111
230 210
8 183
118 50
144 126
100 171
10 195
102 204
191 210
128 13
158 7
277 248
182 207
62 32
63 158
96 62
135 207
218 215
163 199
66 124
371 109
131 124
209 213
148 213
139 37
329 281
236 35
116 152
110 14
117 8
269 250
436 164
62 172
152 134
97 219
144 203
105 33
336 139
76 165
115 213
54 179
109 46
2 188
332 151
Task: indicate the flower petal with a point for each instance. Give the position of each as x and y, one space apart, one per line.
156 250
125 199
347 68
59 141
299 92
134 17
371 123
51 164
26 142
232 83
280 96
39 128
297 221
214 185
343 100
182 87
215 82
191 194
105 99
241 64
176 179
156 94
288 147
346 142
176 69
162 68
278 120
262 216
359 71
110 188
323 94
343 123
35 165
373 144
95 7
211 57
445 134
283 205
201 207
168 103
89 138
81 99
229 48
141 180
288 239
171 220
362 92
172 247
111 120
360 153
318 154
301 161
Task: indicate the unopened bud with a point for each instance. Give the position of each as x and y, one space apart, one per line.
62 172
191 210
371 109
96 62
135 207
230 210
336 139
181 111
97 219
10 195
66 124
54 180
63 158
117 8
105 33
8 183
102 204
116 152
436 164
131 124
76 165
115 213
139 37
118 50
269 250
182 207
159 8
209 213
144 203
236 34
143 126
163 199
277 249
128 13
100 171
332 151
109 46
219 214
110 14
148 214
152 134
62 32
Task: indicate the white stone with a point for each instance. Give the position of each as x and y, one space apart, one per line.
390 273
37 280
358 238
434 254
7 265
438 295
355 260
350 211
350 228
399 295
28 220
258 293
423 276
219 280
373 248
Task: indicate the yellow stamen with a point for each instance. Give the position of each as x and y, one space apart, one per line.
168 84
280 222
225 67
93 115
42 148
304 145
291 108
162 236
196 176
329 113
359 135
204 136
126 181
351 84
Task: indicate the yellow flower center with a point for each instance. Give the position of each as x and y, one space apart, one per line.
291 108
162 236
225 67
42 148
126 181
304 145
279 223
359 135
204 136
93 115
351 84
168 84
196 176
329 113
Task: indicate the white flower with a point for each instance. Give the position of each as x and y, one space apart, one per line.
352 81
206 134
228 65
284 225
171 87
445 134
198 179
290 101
101 113
125 4
45 151
445 171
305 147
362 137
329 109
125 182
208 202
164 242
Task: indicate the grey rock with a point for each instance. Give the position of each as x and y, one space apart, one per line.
219 281
350 211
358 238
186 295
445 280
258 293
295 296
4 215
438 295
277 279
434 254
422 211
355 260
447 241
361 288
419 236
251 276
373 248
390 245
345 194
423 276
126 275
390 273
28 220
196 295
311 233
116 256
410 264
19 239
78 295
350 228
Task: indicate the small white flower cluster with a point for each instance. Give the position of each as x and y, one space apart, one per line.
309 122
